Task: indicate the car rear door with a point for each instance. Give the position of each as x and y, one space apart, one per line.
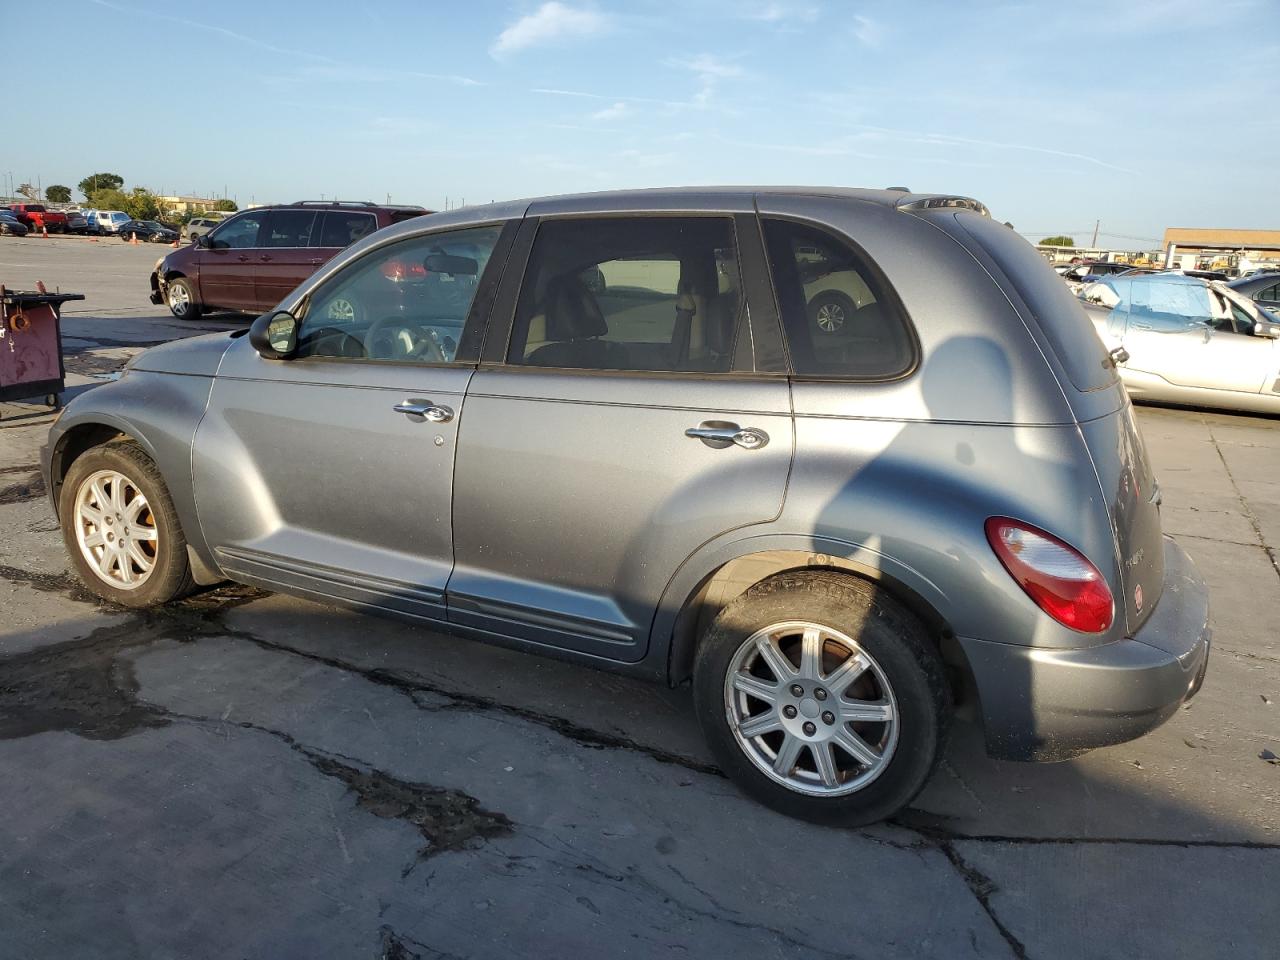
332 473
227 268
617 424
284 256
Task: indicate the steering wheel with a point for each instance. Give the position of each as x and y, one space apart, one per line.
426 348
346 345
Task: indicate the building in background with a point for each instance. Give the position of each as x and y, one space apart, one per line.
175 205
1231 251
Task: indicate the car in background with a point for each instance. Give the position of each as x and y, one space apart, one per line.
1262 288
109 221
199 226
76 222
150 231
11 226
91 222
1080 274
38 217
251 260
674 476
1185 340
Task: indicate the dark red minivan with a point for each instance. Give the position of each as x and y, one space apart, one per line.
250 261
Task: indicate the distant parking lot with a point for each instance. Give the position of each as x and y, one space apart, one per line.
245 774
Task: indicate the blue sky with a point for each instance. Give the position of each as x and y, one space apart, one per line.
1150 115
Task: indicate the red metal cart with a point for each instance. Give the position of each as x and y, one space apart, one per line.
31 344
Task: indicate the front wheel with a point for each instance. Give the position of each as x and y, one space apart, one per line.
181 298
822 697
121 529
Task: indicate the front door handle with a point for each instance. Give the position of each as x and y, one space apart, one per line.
425 409
720 434
264 258
243 258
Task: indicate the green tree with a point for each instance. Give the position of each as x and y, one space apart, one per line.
112 199
141 204
1059 241
57 193
100 181
226 206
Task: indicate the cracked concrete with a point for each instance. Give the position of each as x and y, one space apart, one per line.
255 776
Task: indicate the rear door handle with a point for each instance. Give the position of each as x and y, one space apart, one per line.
243 258
316 261
434 412
720 434
264 258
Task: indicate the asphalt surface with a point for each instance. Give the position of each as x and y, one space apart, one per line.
251 775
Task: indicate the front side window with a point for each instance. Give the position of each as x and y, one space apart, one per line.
407 302
288 228
238 234
656 294
339 228
837 318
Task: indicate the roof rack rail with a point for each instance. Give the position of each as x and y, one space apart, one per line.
333 203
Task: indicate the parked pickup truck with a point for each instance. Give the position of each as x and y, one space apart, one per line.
36 217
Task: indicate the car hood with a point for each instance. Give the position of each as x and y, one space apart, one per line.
193 356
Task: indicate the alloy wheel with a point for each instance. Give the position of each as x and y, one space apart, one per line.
116 529
811 708
830 317
179 299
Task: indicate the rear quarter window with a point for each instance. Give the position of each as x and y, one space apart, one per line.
1059 314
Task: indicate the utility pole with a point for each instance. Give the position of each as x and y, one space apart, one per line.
1094 245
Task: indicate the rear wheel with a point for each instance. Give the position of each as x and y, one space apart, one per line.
822 697
121 529
181 298
831 310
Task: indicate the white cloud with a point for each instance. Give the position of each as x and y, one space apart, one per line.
550 22
709 67
784 13
615 112
869 32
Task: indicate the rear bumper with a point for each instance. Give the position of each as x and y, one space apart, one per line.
1042 704
157 288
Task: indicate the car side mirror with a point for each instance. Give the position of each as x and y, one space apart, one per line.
202 241
448 263
275 335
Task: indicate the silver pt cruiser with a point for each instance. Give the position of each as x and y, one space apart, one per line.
848 460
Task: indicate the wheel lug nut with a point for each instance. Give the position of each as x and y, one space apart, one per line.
828 718
789 712
820 694
809 729
797 690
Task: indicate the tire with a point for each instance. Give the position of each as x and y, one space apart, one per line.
181 298
902 679
830 311
121 469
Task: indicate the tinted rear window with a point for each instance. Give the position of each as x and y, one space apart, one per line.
340 228
1059 314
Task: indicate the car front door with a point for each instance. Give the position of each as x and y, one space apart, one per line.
1171 332
228 265
284 255
620 426
331 473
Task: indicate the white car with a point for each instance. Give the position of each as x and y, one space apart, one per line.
1184 340
109 221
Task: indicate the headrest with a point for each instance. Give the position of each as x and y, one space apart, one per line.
572 311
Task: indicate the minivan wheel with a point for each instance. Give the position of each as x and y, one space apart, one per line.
121 528
182 299
822 697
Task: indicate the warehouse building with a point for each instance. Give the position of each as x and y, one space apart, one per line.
1232 251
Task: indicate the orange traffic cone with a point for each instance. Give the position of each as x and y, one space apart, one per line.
134 240
45 228
174 244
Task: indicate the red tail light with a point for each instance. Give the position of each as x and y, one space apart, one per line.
1057 577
